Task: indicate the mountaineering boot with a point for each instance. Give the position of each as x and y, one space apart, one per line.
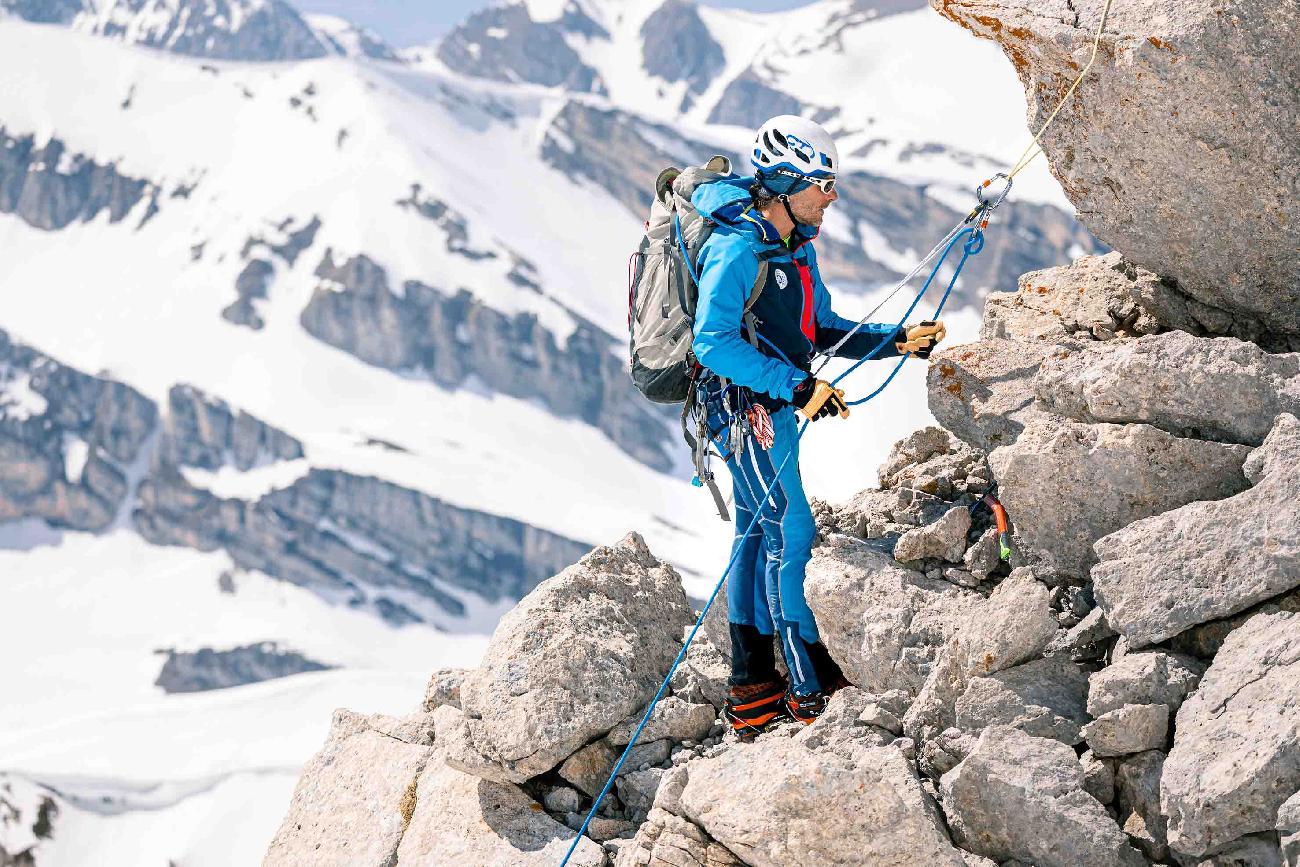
753 709
805 708
828 671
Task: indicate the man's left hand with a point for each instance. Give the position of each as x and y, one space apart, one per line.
923 338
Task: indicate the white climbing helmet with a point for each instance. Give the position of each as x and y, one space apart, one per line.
795 144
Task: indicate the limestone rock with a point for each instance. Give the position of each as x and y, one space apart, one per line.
1044 698
1067 484
637 791
1116 145
984 556
1153 677
1137 779
589 767
945 539
1008 628
1222 389
462 819
1288 828
562 799
534 700
1132 728
1254 850
1094 298
666 840
1207 560
1099 778
352 803
444 688
1017 796
1228 773
702 676
883 623
849 804
673 718
984 392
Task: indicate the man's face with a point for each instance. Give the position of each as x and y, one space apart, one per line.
809 205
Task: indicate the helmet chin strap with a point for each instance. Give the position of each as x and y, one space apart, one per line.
785 201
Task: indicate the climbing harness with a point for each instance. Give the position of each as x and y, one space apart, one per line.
972 230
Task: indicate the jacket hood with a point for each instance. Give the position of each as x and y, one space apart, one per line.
727 202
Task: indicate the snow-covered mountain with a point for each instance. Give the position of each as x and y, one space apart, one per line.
311 355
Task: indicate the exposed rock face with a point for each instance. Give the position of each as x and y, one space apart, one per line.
28 816
1222 389
1138 783
533 702
749 101
883 623
206 668
226 30
984 392
1017 796
676 46
44 11
533 51
452 337
1116 143
1236 753
355 797
945 539
1109 475
49 188
67 440
1208 560
1288 826
461 819
853 805
1132 728
666 840
205 432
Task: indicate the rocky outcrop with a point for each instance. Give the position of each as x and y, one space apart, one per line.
749 101
1017 796
1236 757
357 796
453 337
206 432
227 30
49 188
1116 143
677 46
1109 475
68 441
504 43
28 816
208 668
1208 560
522 712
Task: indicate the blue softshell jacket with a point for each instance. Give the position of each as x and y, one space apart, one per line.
793 313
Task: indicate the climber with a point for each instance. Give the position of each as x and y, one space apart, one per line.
751 393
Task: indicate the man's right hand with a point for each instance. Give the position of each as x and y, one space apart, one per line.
816 398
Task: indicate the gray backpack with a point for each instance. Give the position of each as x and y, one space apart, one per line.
663 286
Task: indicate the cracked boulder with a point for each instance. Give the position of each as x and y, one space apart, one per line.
1022 797
1044 698
1221 389
1288 829
576 657
1066 484
1236 753
1205 561
843 803
665 840
1130 143
457 818
1012 626
354 799
1151 677
882 623
945 539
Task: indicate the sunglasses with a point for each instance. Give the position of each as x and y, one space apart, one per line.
826 185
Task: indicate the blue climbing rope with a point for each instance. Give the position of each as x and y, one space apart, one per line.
973 244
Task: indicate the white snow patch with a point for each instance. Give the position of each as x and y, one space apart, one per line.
76 452
230 483
18 400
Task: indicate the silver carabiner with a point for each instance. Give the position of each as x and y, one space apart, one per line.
990 204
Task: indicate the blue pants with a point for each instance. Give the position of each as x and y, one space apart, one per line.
765 584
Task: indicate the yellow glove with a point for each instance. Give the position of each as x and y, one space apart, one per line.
815 398
923 338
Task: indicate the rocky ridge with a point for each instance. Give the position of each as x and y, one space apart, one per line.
1123 691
